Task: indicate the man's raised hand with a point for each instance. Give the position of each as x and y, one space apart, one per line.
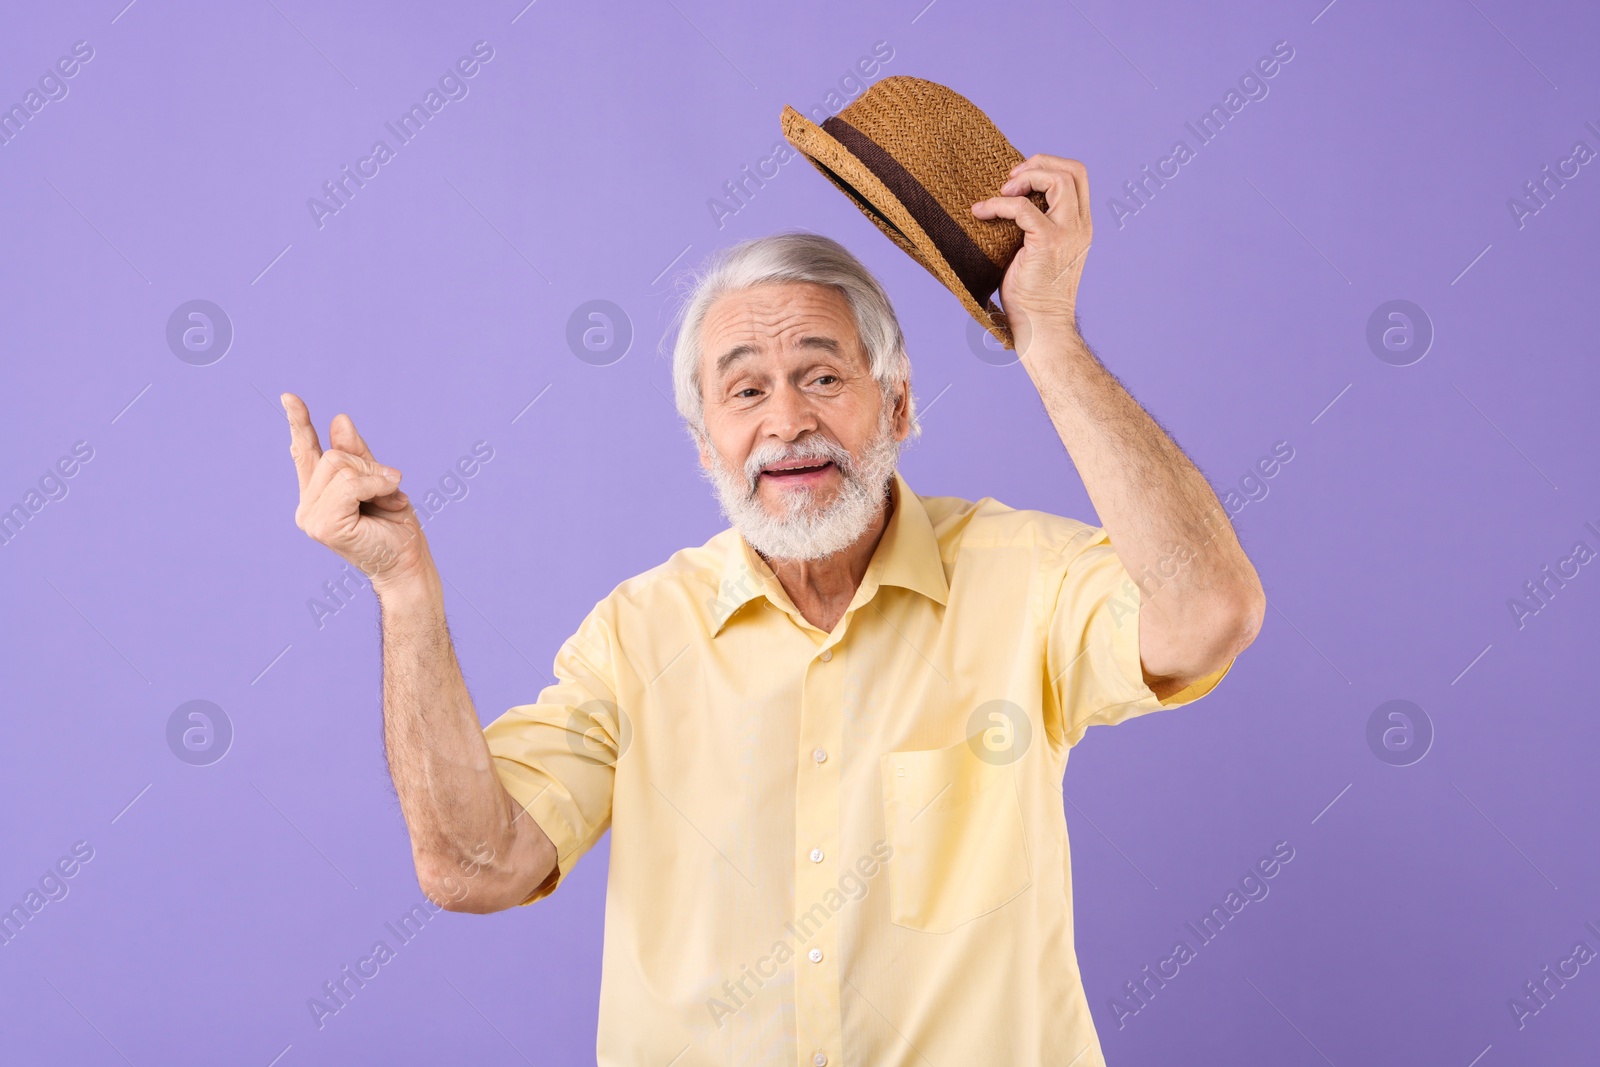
351 502
1040 290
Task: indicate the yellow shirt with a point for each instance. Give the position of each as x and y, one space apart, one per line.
847 847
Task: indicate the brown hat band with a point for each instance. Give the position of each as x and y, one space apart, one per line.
978 273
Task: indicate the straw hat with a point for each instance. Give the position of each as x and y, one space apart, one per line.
914 157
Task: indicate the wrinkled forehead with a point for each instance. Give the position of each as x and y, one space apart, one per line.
778 321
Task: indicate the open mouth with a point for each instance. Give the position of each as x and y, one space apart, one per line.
802 471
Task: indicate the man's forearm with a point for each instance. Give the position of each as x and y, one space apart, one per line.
469 841
1201 598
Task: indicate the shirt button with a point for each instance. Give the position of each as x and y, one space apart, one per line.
820 1059
815 955
816 855
827 654
819 755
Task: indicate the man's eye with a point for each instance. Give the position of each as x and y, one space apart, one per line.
827 378
751 389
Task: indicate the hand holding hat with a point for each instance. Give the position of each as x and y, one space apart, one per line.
934 174
1041 283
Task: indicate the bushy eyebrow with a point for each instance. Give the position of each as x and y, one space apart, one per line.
738 352
732 355
827 343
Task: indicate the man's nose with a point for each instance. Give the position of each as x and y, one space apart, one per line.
790 413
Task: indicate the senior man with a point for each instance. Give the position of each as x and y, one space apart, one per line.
829 742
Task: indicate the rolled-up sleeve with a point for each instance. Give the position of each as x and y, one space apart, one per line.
557 756
1092 651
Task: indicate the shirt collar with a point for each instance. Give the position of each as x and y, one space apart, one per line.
907 556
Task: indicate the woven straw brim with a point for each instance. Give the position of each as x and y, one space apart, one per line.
886 211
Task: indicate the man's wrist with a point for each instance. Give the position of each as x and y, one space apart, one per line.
414 587
1044 338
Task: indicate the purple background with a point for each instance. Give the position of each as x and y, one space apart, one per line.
434 307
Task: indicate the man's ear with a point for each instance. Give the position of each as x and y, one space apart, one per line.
703 443
902 417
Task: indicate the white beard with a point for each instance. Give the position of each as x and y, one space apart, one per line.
804 532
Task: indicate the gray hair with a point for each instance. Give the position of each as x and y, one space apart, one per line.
790 257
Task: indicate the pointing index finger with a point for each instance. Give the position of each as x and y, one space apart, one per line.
304 447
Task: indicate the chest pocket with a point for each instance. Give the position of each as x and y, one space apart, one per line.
955 824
